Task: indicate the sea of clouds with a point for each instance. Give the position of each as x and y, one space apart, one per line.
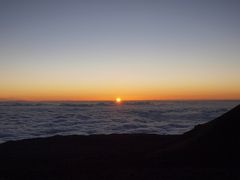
20 120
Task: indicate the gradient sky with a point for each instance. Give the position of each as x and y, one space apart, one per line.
134 49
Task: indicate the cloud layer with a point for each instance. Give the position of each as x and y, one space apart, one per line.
20 120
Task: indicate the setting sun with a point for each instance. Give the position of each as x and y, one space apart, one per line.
118 100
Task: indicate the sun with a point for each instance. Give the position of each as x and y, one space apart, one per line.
118 100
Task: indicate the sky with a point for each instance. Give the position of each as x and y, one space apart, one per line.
133 49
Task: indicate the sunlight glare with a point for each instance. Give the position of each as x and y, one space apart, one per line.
118 100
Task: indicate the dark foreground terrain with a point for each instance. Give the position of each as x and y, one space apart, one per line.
209 151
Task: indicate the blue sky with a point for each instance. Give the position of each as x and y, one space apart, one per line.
135 49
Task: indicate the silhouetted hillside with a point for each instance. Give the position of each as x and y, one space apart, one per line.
213 144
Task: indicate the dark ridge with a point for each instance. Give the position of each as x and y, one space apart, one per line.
225 125
214 144
209 151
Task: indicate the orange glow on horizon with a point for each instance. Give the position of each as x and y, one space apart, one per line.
107 93
126 98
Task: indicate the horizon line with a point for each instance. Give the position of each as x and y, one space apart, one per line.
113 100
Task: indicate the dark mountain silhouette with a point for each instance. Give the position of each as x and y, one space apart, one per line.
209 151
216 142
